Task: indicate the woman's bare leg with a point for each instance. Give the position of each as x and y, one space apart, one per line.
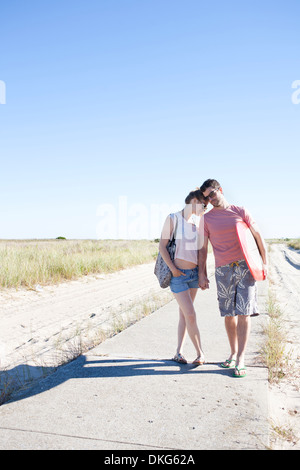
185 302
181 332
182 324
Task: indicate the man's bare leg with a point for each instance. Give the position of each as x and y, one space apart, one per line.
231 329
243 332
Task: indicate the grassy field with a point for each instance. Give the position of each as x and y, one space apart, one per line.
30 262
26 263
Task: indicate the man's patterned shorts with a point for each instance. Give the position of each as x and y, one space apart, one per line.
236 288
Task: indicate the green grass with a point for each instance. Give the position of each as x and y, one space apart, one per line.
29 262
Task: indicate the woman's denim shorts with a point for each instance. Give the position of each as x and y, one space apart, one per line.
182 283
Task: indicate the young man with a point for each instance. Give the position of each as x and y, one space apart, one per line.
236 286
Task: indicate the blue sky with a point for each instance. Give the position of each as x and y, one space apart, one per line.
116 109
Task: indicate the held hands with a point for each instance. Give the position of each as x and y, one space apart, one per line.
203 282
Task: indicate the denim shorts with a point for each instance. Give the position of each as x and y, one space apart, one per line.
236 288
182 283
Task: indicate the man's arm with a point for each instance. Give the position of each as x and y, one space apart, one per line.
261 246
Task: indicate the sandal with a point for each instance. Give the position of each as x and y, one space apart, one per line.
227 363
179 358
237 372
199 361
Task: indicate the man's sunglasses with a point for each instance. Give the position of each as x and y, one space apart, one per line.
212 194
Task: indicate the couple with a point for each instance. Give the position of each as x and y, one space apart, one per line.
192 230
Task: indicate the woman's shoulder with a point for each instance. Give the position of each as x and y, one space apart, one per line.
174 216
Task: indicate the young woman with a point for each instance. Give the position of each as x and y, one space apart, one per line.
184 282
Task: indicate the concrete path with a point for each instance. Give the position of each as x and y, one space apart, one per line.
127 394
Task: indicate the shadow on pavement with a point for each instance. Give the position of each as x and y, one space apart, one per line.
95 368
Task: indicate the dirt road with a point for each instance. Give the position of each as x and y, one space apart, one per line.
35 323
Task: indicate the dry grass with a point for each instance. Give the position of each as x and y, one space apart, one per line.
273 352
27 263
294 243
284 432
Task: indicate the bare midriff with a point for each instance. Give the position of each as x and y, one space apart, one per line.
183 264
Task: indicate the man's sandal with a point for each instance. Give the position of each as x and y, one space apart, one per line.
228 363
179 358
237 372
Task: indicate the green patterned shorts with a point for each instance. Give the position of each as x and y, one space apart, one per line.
236 288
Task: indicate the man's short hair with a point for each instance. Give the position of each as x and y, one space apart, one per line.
210 183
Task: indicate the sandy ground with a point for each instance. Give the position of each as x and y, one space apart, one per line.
34 324
285 397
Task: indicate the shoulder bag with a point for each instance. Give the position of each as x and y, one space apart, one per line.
161 269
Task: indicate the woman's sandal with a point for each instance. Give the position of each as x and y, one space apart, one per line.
227 364
199 361
179 358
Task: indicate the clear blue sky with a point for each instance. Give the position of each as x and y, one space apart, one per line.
127 105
